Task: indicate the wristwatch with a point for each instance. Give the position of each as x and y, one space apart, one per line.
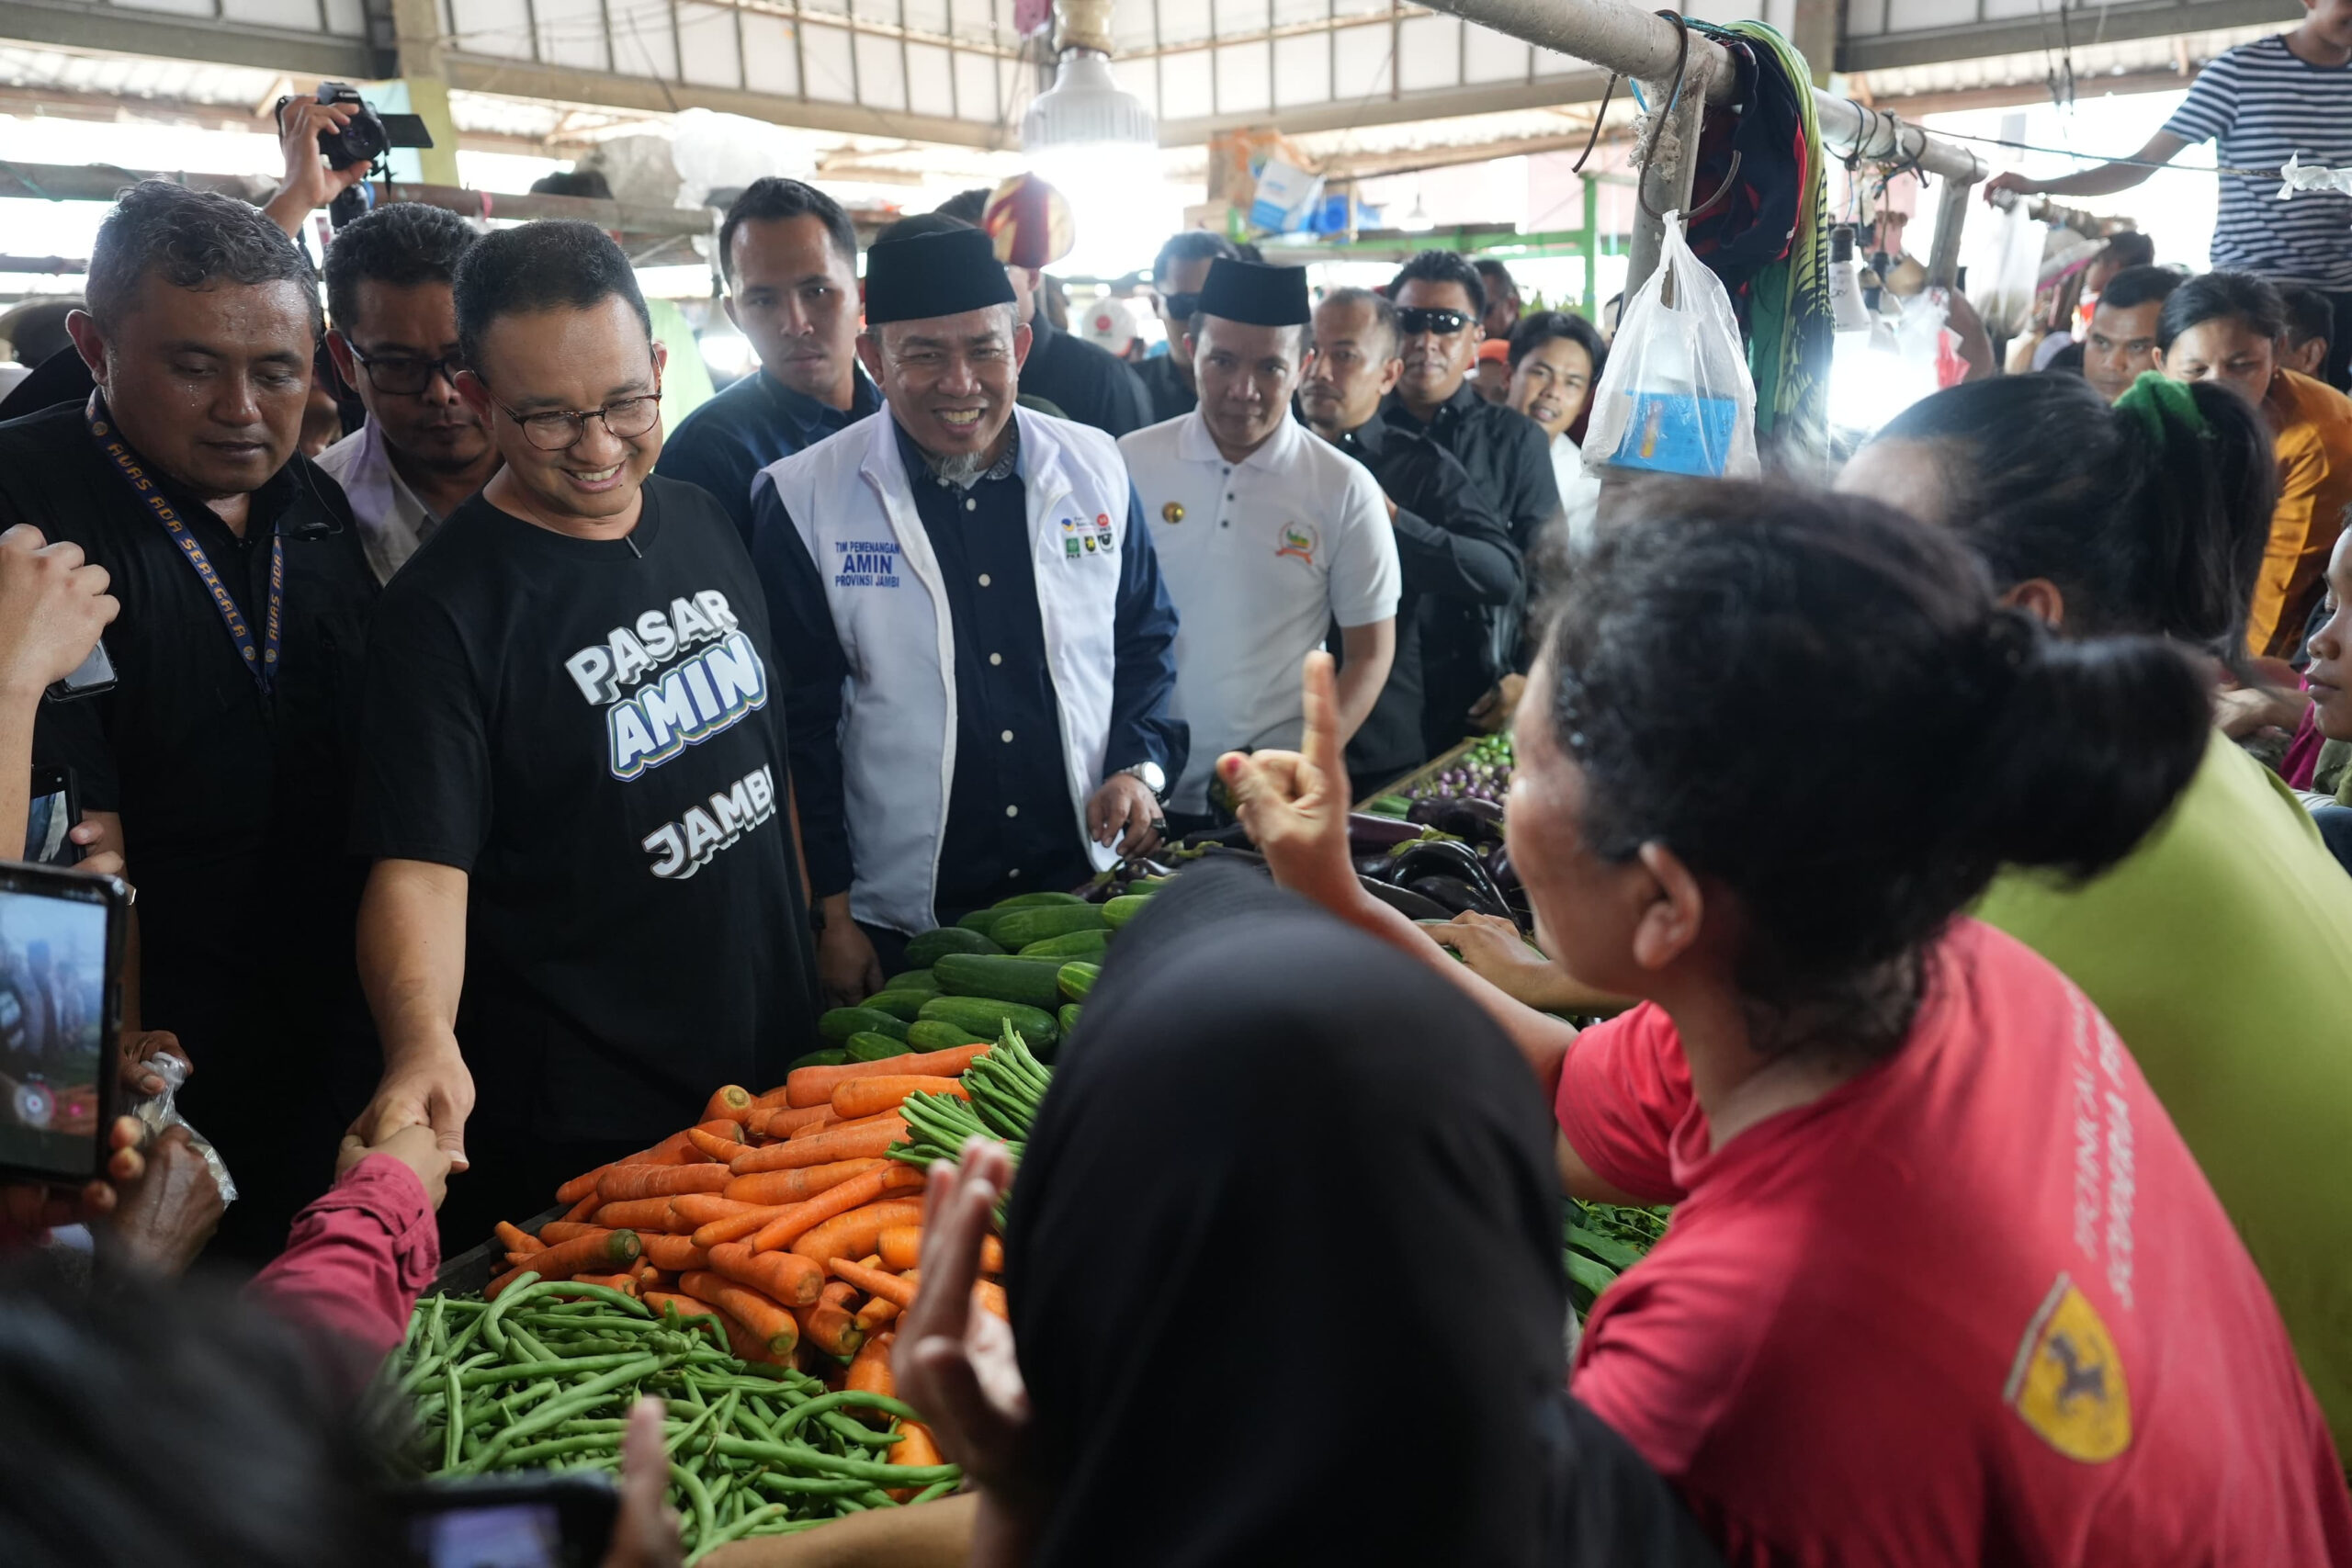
1154 777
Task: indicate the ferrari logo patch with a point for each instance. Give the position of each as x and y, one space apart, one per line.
2068 1383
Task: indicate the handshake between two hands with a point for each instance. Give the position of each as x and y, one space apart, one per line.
157 1204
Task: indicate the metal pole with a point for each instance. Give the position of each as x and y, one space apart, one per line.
1620 36
1951 212
1850 130
1665 180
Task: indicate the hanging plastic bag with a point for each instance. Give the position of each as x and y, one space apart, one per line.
1677 397
161 1113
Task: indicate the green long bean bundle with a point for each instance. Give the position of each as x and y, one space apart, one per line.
1007 1084
532 1383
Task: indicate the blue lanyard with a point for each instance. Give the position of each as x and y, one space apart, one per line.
261 662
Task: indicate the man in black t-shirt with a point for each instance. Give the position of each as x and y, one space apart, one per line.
573 777
217 762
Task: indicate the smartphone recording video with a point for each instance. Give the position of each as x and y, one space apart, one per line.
60 944
53 812
508 1535
532 1519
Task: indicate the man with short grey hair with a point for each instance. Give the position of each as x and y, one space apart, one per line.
216 760
1004 724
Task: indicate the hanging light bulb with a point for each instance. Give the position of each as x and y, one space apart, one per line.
1098 144
1417 221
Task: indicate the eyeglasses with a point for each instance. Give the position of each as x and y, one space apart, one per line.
1180 307
1413 320
403 375
556 429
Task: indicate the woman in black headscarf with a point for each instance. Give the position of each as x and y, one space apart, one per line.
1285 1284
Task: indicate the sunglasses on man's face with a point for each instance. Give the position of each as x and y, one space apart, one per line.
1413 320
1182 307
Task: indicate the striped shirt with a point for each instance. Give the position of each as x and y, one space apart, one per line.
2258 104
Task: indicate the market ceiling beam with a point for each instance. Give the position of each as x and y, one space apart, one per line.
58 103
605 89
1419 159
123 30
1444 103
2105 24
99 182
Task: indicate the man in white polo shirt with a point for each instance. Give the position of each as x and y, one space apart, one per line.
1266 535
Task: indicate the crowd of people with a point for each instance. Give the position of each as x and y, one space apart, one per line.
1982 806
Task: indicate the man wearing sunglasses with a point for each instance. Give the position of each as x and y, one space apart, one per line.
1181 268
423 451
573 782
1439 301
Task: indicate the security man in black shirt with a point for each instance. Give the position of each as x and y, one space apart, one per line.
1458 563
1177 274
217 762
1439 300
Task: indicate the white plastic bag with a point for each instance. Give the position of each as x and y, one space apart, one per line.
162 1113
1677 397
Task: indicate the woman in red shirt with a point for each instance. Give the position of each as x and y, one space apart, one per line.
1943 1285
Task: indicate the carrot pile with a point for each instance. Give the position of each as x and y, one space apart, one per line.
781 1217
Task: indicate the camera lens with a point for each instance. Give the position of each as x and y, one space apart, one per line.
364 137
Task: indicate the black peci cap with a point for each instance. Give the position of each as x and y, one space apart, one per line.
1256 294
944 273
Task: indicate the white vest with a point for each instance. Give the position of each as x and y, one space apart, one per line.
849 498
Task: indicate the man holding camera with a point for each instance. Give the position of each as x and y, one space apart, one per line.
215 761
311 180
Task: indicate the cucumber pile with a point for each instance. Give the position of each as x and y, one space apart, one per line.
1025 965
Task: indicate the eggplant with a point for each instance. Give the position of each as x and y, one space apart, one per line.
1486 810
1405 901
1449 857
1366 831
1499 866
1451 892
1371 865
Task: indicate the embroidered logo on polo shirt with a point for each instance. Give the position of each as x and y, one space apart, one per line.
2067 1381
1300 541
1102 530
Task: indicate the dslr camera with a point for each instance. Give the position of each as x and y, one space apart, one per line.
369 135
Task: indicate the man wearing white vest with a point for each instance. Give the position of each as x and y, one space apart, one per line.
1270 535
980 652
